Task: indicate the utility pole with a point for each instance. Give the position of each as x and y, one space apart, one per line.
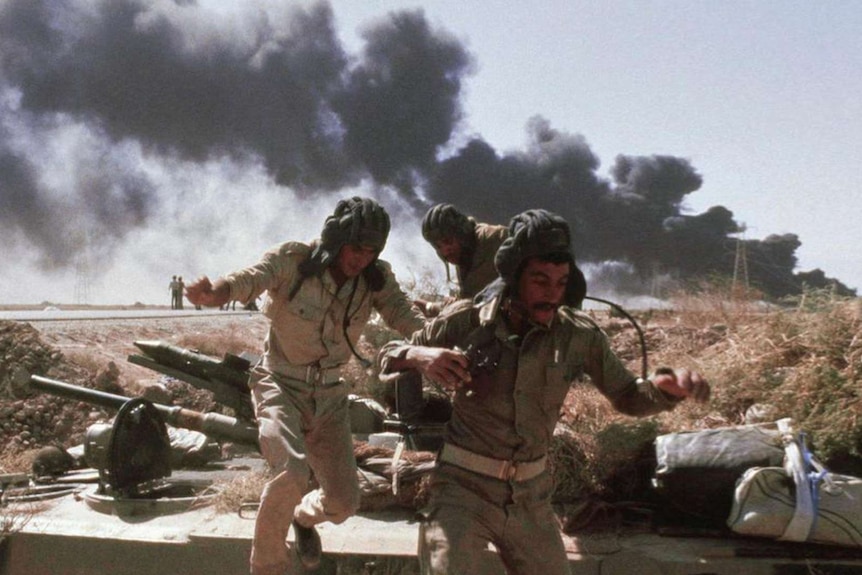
740 267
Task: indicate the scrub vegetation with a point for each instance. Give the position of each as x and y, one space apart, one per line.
800 359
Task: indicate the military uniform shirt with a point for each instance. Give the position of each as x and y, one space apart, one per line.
308 329
481 271
513 417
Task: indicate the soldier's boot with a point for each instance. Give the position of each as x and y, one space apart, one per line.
308 547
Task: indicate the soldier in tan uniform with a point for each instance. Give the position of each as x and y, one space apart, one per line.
469 246
523 347
320 297
174 286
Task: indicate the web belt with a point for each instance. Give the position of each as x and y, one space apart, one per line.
311 373
498 468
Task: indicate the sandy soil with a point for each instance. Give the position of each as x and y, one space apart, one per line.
113 340
94 354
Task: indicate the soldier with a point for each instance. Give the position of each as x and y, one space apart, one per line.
320 297
523 346
181 285
469 246
174 286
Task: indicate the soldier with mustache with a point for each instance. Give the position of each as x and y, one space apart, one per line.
510 358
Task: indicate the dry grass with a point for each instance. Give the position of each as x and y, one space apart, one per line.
803 360
244 489
15 517
805 363
17 462
10 523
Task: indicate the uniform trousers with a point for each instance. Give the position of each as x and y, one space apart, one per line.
468 511
304 429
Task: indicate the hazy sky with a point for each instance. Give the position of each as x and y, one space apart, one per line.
761 97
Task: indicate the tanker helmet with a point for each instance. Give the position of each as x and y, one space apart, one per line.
444 221
355 221
539 233
52 461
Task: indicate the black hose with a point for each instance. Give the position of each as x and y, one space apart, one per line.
365 362
628 316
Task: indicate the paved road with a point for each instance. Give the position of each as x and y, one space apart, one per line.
50 314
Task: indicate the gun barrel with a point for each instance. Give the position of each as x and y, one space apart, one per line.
197 364
78 393
215 425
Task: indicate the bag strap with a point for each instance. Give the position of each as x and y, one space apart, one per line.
796 464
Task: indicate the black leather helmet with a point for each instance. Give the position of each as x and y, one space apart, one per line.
355 220
539 233
444 220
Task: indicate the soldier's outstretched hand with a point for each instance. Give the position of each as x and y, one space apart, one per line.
682 383
202 292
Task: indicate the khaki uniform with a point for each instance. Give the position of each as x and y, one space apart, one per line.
481 271
511 418
300 400
174 286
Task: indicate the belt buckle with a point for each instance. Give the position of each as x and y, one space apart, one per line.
509 471
312 373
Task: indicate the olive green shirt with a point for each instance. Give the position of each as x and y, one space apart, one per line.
309 328
515 417
481 271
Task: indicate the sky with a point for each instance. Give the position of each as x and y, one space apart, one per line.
142 139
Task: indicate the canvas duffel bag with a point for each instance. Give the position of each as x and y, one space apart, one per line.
696 471
800 501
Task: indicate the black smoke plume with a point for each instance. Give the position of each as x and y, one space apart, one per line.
638 217
91 90
184 83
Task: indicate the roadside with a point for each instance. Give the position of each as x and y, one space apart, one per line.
52 313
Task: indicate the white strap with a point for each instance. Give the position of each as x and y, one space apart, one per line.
396 464
802 521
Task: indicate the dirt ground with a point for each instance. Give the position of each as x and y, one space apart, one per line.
113 340
94 354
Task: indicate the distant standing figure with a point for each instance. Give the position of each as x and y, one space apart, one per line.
176 291
181 286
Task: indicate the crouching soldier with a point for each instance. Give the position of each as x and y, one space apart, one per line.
510 360
466 244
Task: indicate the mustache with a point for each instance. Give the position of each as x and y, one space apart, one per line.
544 306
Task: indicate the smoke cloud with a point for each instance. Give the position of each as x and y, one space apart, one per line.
130 126
634 227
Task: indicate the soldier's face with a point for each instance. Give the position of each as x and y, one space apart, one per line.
449 249
541 289
352 259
